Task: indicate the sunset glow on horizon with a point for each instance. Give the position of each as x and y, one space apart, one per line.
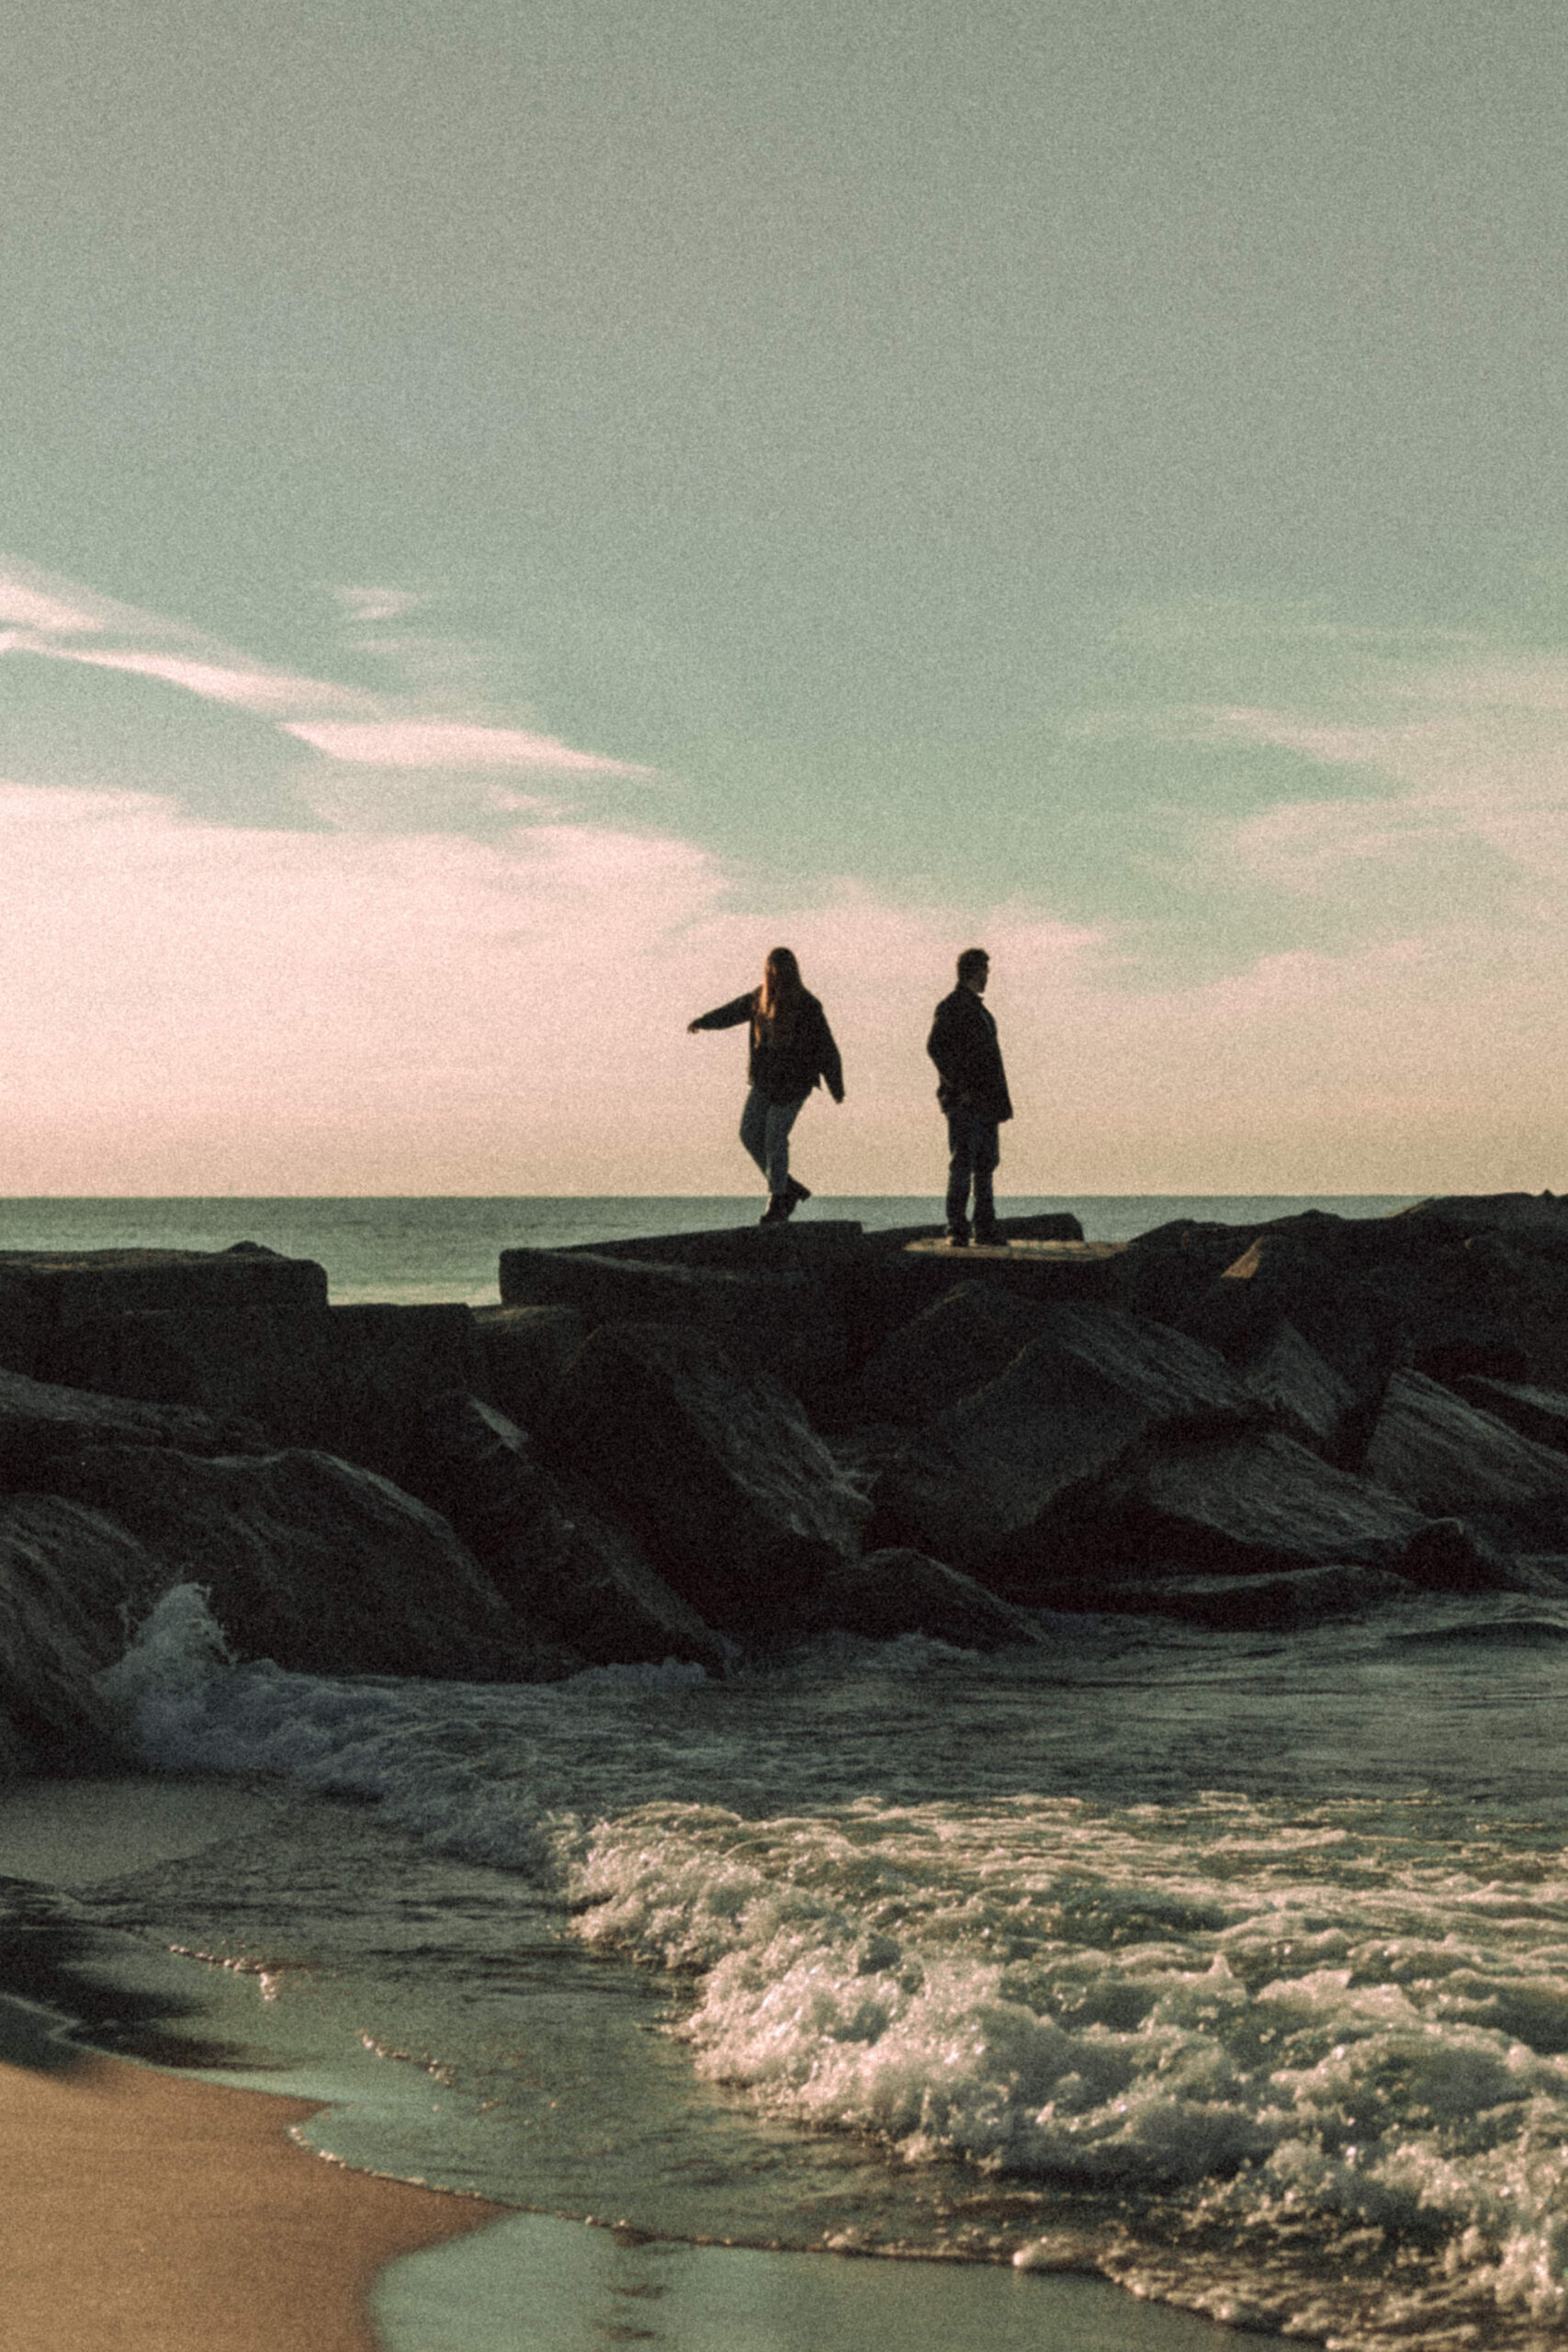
658 483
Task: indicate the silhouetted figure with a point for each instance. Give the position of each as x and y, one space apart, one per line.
792 1051
973 1093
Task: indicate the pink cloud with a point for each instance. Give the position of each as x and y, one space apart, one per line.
267 693
186 1007
451 744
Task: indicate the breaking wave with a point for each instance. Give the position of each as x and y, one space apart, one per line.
1299 2065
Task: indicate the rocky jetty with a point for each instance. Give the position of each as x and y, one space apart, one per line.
688 1445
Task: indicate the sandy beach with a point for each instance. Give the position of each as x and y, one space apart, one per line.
145 2213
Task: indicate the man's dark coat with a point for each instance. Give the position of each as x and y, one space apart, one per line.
963 1044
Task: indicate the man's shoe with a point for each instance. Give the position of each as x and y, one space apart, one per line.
955 1240
796 1192
777 1211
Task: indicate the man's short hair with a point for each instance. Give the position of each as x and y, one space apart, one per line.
971 960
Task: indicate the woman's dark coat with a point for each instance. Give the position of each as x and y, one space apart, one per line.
786 1068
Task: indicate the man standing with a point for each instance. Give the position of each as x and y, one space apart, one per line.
973 1093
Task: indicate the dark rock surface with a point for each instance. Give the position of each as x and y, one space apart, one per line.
69 1580
780 1317
1447 1459
917 1493
526 1351
1099 1383
1059 1225
1301 1391
44 1294
1285 1603
1245 1505
960 1343
570 1573
904 1591
1537 1413
323 1567
586 1581
736 1500
41 1421
351 1381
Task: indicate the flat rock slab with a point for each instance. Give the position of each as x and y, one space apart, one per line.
324 1567
1447 1459
801 1244
738 1502
1042 1270
43 1293
346 1380
778 1315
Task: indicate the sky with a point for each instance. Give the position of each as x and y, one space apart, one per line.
510 509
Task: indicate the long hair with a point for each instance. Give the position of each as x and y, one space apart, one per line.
781 994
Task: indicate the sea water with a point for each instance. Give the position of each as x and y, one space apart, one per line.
1232 1969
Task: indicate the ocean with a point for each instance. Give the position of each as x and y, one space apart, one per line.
1150 1982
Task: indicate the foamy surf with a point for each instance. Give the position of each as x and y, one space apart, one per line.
1293 2065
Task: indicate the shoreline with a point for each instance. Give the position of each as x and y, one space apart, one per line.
152 2213
159 2211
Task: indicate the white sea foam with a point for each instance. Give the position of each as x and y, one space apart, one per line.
1298 2065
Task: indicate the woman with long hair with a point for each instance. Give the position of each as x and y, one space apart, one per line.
792 1051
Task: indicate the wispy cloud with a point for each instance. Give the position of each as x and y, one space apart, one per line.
56 620
452 743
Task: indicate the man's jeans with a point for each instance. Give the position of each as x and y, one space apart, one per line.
974 1148
765 1131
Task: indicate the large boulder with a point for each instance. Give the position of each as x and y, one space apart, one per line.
526 1351
1074 1402
782 1317
1451 1288
44 1295
1301 1390
1250 1504
737 1500
323 1567
1537 1413
571 1573
959 1343
917 1493
904 1591
1291 1601
351 1381
41 1423
69 1580
585 1580
1447 1459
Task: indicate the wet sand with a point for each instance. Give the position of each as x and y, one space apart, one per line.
145 2213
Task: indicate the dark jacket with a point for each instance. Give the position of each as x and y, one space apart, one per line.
786 1068
963 1044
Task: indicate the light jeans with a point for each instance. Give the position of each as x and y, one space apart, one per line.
765 1131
